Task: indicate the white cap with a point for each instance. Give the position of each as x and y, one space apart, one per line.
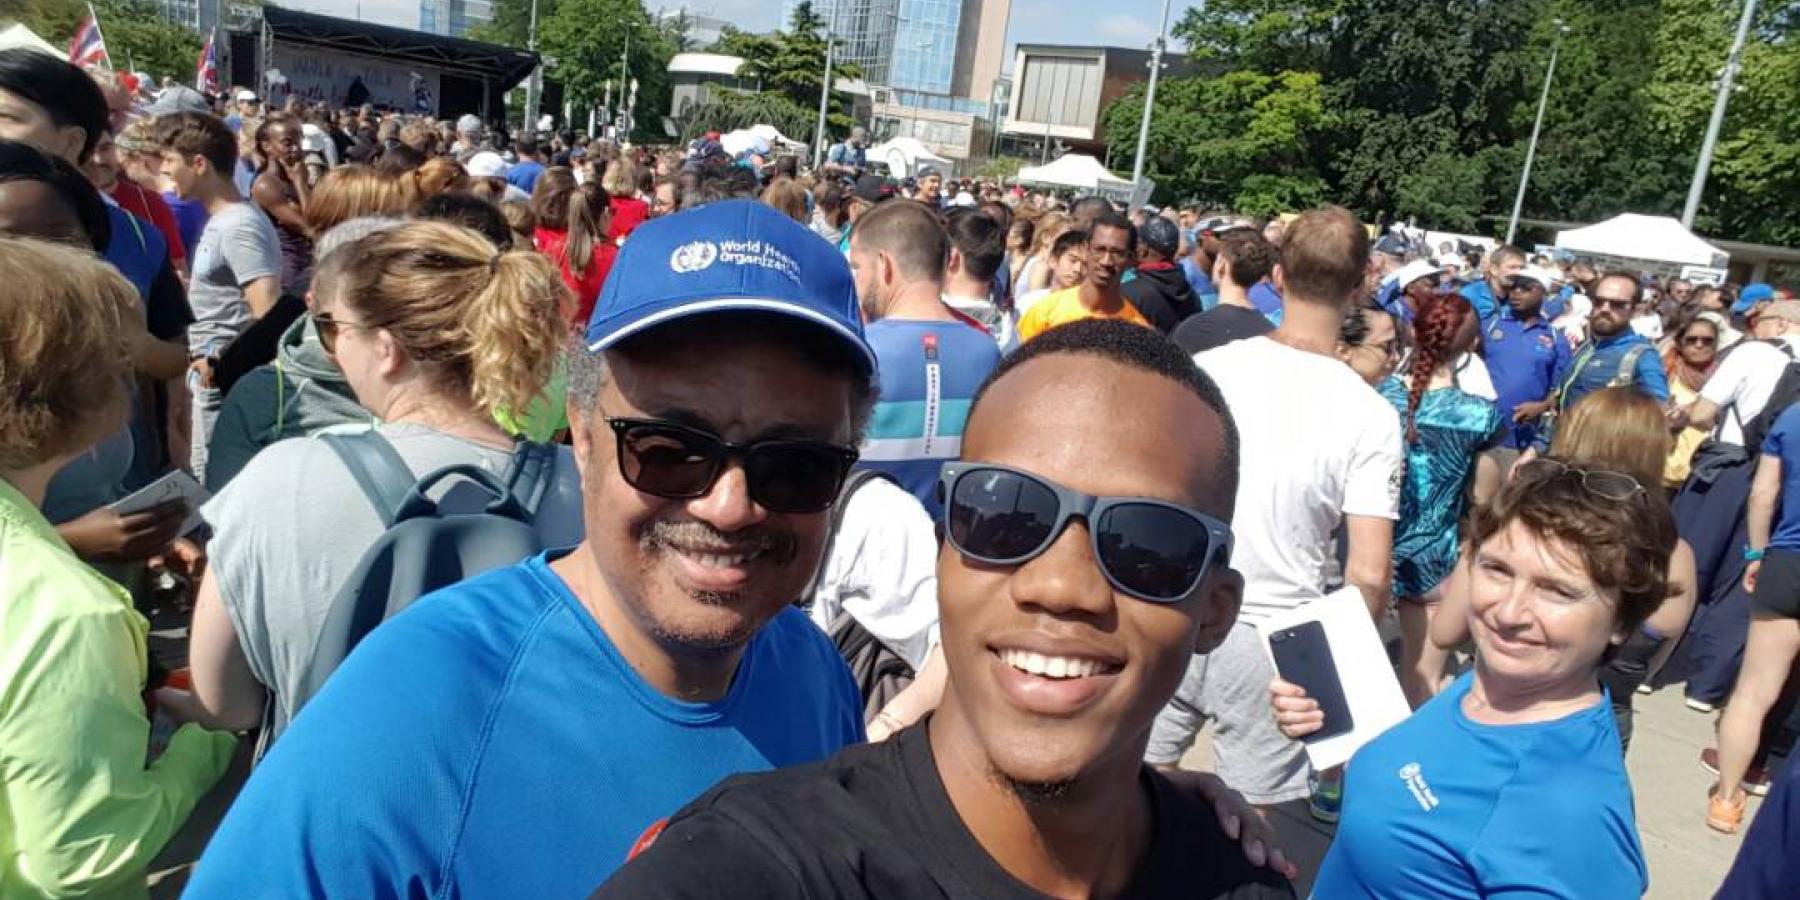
313 138
1415 270
1451 261
963 198
469 124
247 95
486 164
1538 275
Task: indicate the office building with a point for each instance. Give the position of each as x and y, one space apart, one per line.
950 48
1060 92
455 18
703 29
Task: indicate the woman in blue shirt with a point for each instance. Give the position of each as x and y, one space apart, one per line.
1773 579
1445 428
1511 782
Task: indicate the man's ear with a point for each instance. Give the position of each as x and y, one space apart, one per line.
1220 597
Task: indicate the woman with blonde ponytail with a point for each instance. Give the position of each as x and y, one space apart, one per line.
1445 427
435 331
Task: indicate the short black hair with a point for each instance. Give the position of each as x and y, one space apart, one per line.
1067 241
1110 219
1090 206
979 238
66 93
525 146
471 212
1136 347
23 162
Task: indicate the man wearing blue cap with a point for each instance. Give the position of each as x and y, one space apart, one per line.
516 734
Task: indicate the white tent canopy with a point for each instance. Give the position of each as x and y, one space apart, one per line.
904 156
1630 236
17 35
1079 172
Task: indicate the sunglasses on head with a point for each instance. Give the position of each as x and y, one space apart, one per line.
1150 549
1599 482
680 462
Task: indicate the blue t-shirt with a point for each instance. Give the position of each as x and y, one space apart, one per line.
1201 282
492 742
524 174
1267 301
1440 806
190 217
1482 298
1783 442
929 373
137 249
1526 360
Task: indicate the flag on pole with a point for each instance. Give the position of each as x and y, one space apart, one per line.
206 74
87 47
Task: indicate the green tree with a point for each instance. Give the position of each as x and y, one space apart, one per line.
792 63
136 35
725 110
587 39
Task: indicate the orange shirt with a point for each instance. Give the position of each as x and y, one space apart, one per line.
1063 307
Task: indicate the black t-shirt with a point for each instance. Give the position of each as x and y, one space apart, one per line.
1220 326
875 822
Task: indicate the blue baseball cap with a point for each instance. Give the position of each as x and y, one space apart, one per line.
1752 295
729 256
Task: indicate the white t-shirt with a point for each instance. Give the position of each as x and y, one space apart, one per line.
881 568
1317 444
1746 378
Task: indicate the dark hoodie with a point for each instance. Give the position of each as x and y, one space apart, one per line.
299 394
1162 293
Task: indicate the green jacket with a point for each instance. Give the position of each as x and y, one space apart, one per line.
81 812
301 393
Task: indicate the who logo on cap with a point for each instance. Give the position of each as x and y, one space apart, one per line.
729 256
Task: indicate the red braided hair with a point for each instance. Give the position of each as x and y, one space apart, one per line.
1435 326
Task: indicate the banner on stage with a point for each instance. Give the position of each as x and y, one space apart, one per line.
343 79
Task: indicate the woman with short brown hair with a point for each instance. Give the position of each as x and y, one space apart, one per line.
81 812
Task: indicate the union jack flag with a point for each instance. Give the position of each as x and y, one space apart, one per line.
87 47
206 75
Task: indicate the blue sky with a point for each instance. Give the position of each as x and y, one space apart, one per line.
1129 23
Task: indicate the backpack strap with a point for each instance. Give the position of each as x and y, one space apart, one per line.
378 469
530 474
1627 373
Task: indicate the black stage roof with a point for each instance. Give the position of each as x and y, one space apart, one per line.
502 66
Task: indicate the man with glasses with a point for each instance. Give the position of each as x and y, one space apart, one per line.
1526 358
513 735
1614 355
1111 246
1073 597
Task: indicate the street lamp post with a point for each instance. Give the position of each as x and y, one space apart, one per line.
1704 164
824 100
1156 54
1512 224
533 88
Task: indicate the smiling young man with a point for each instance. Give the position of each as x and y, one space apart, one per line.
1072 598
514 735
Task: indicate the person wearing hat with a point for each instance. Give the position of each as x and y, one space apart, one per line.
929 188
1404 288
1526 358
1160 291
515 735
243 107
1752 297
868 191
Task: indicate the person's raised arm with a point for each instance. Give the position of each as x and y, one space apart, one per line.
286 213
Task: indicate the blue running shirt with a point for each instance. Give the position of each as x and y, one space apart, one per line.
491 741
929 373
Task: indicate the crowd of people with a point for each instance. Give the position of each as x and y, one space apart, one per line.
584 518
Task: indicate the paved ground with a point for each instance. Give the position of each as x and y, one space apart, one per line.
1687 859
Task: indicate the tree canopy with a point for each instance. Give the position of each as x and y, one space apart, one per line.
586 40
1424 109
136 35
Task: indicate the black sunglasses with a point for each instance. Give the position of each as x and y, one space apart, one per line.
1150 549
329 327
679 462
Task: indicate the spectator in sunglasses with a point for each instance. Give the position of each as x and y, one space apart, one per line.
402 316
1072 599
517 734
1689 359
1614 355
1512 779
1526 358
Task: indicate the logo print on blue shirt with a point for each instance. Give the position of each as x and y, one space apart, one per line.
1415 782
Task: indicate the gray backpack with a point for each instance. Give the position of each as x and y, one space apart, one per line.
424 548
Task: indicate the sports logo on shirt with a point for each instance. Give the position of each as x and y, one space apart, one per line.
1414 779
693 257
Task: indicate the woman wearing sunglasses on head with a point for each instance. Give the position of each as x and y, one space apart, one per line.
433 330
1510 782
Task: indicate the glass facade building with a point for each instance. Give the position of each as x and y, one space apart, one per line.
905 44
